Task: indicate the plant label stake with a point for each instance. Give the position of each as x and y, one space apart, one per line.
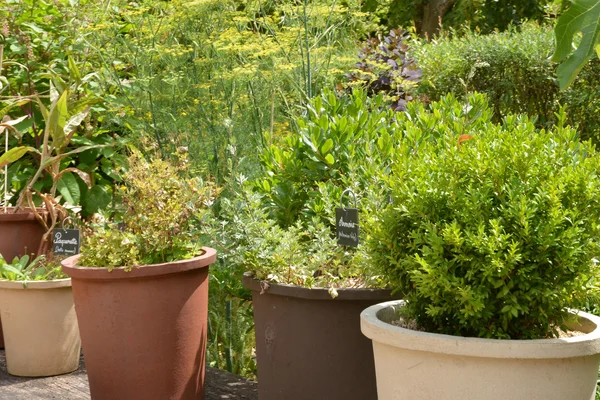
65 241
346 222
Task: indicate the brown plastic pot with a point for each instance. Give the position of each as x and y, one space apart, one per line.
20 234
144 332
309 346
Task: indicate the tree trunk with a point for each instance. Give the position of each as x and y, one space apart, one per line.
433 12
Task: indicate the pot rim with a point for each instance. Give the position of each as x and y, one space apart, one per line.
21 214
578 346
49 284
70 267
315 293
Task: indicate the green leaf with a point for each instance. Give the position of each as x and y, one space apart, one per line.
11 269
73 70
75 121
14 154
326 146
57 120
582 16
6 109
69 189
329 158
95 200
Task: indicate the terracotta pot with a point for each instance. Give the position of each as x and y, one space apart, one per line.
144 332
40 327
420 365
309 346
20 234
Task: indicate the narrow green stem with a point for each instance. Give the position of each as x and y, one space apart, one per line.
308 68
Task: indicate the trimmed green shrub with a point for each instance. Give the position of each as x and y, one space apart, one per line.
514 69
493 234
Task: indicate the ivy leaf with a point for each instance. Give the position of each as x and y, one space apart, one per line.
69 189
582 16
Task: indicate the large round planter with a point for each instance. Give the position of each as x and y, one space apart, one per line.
20 233
309 346
144 332
419 365
40 327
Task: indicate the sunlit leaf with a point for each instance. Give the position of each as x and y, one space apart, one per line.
582 16
15 154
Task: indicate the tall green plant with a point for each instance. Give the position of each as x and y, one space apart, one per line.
209 75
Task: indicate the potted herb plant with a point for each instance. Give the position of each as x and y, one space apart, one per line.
39 321
141 289
27 228
493 240
308 291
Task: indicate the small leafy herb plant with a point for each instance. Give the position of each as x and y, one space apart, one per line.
285 230
160 205
493 235
22 269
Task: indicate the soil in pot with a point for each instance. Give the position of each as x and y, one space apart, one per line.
309 346
413 364
144 331
40 326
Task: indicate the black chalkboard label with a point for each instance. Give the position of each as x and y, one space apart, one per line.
65 242
346 220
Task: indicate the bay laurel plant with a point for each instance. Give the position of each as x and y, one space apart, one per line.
493 234
158 219
343 141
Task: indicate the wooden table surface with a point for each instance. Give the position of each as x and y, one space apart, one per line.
219 385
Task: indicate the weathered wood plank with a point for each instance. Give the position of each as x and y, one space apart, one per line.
219 385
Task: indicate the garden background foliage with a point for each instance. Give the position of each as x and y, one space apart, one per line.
283 104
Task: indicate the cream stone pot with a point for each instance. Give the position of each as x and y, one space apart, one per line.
40 327
412 365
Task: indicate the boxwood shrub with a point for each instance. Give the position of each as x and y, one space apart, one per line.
493 234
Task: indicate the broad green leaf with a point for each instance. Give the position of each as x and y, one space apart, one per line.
15 154
329 158
33 27
83 175
23 262
69 189
326 146
57 119
582 16
11 269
